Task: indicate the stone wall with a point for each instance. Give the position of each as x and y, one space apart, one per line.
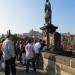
58 65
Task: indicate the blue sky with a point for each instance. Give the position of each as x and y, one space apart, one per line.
20 16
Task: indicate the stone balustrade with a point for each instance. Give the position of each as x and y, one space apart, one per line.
54 64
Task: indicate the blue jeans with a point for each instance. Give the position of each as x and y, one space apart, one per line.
28 64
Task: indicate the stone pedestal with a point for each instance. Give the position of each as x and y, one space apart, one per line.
48 29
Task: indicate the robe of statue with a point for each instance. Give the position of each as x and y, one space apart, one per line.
48 12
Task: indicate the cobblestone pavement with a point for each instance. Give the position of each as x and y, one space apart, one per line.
21 71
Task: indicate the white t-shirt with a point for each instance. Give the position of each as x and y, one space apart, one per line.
29 51
37 47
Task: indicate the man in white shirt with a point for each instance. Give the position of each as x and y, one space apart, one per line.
30 56
9 55
37 47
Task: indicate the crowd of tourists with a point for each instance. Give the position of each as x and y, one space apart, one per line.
24 51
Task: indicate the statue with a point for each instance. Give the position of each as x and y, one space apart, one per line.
8 33
48 12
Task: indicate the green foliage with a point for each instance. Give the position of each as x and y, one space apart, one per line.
73 42
15 37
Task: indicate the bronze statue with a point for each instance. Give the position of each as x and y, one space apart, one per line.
48 12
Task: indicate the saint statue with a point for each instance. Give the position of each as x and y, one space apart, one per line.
48 12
